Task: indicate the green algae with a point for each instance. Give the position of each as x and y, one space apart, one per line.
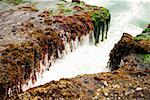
143 36
147 30
69 8
100 15
79 18
101 19
145 57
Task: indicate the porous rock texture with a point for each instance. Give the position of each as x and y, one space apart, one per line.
33 35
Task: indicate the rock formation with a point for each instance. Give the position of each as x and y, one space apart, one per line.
125 83
128 81
34 35
131 50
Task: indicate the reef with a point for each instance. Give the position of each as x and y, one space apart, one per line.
34 35
128 80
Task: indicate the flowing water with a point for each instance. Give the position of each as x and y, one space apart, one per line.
127 16
130 16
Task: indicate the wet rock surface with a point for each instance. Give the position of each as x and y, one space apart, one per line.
35 34
30 32
125 83
129 80
133 51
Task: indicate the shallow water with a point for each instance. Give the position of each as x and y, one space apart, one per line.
130 16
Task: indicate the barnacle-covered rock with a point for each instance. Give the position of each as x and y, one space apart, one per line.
34 35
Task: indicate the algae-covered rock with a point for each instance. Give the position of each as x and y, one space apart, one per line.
147 30
124 84
143 36
16 2
34 34
134 51
130 79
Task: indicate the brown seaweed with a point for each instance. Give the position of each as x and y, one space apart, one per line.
28 35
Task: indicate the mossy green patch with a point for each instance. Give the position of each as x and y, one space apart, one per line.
145 57
143 36
147 30
100 15
97 13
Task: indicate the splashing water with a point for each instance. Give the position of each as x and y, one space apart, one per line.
129 16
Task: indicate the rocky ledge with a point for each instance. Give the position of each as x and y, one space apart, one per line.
34 34
133 51
124 83
128 80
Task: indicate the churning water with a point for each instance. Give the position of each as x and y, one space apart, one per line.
130 16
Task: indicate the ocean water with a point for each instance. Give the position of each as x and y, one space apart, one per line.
129 16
